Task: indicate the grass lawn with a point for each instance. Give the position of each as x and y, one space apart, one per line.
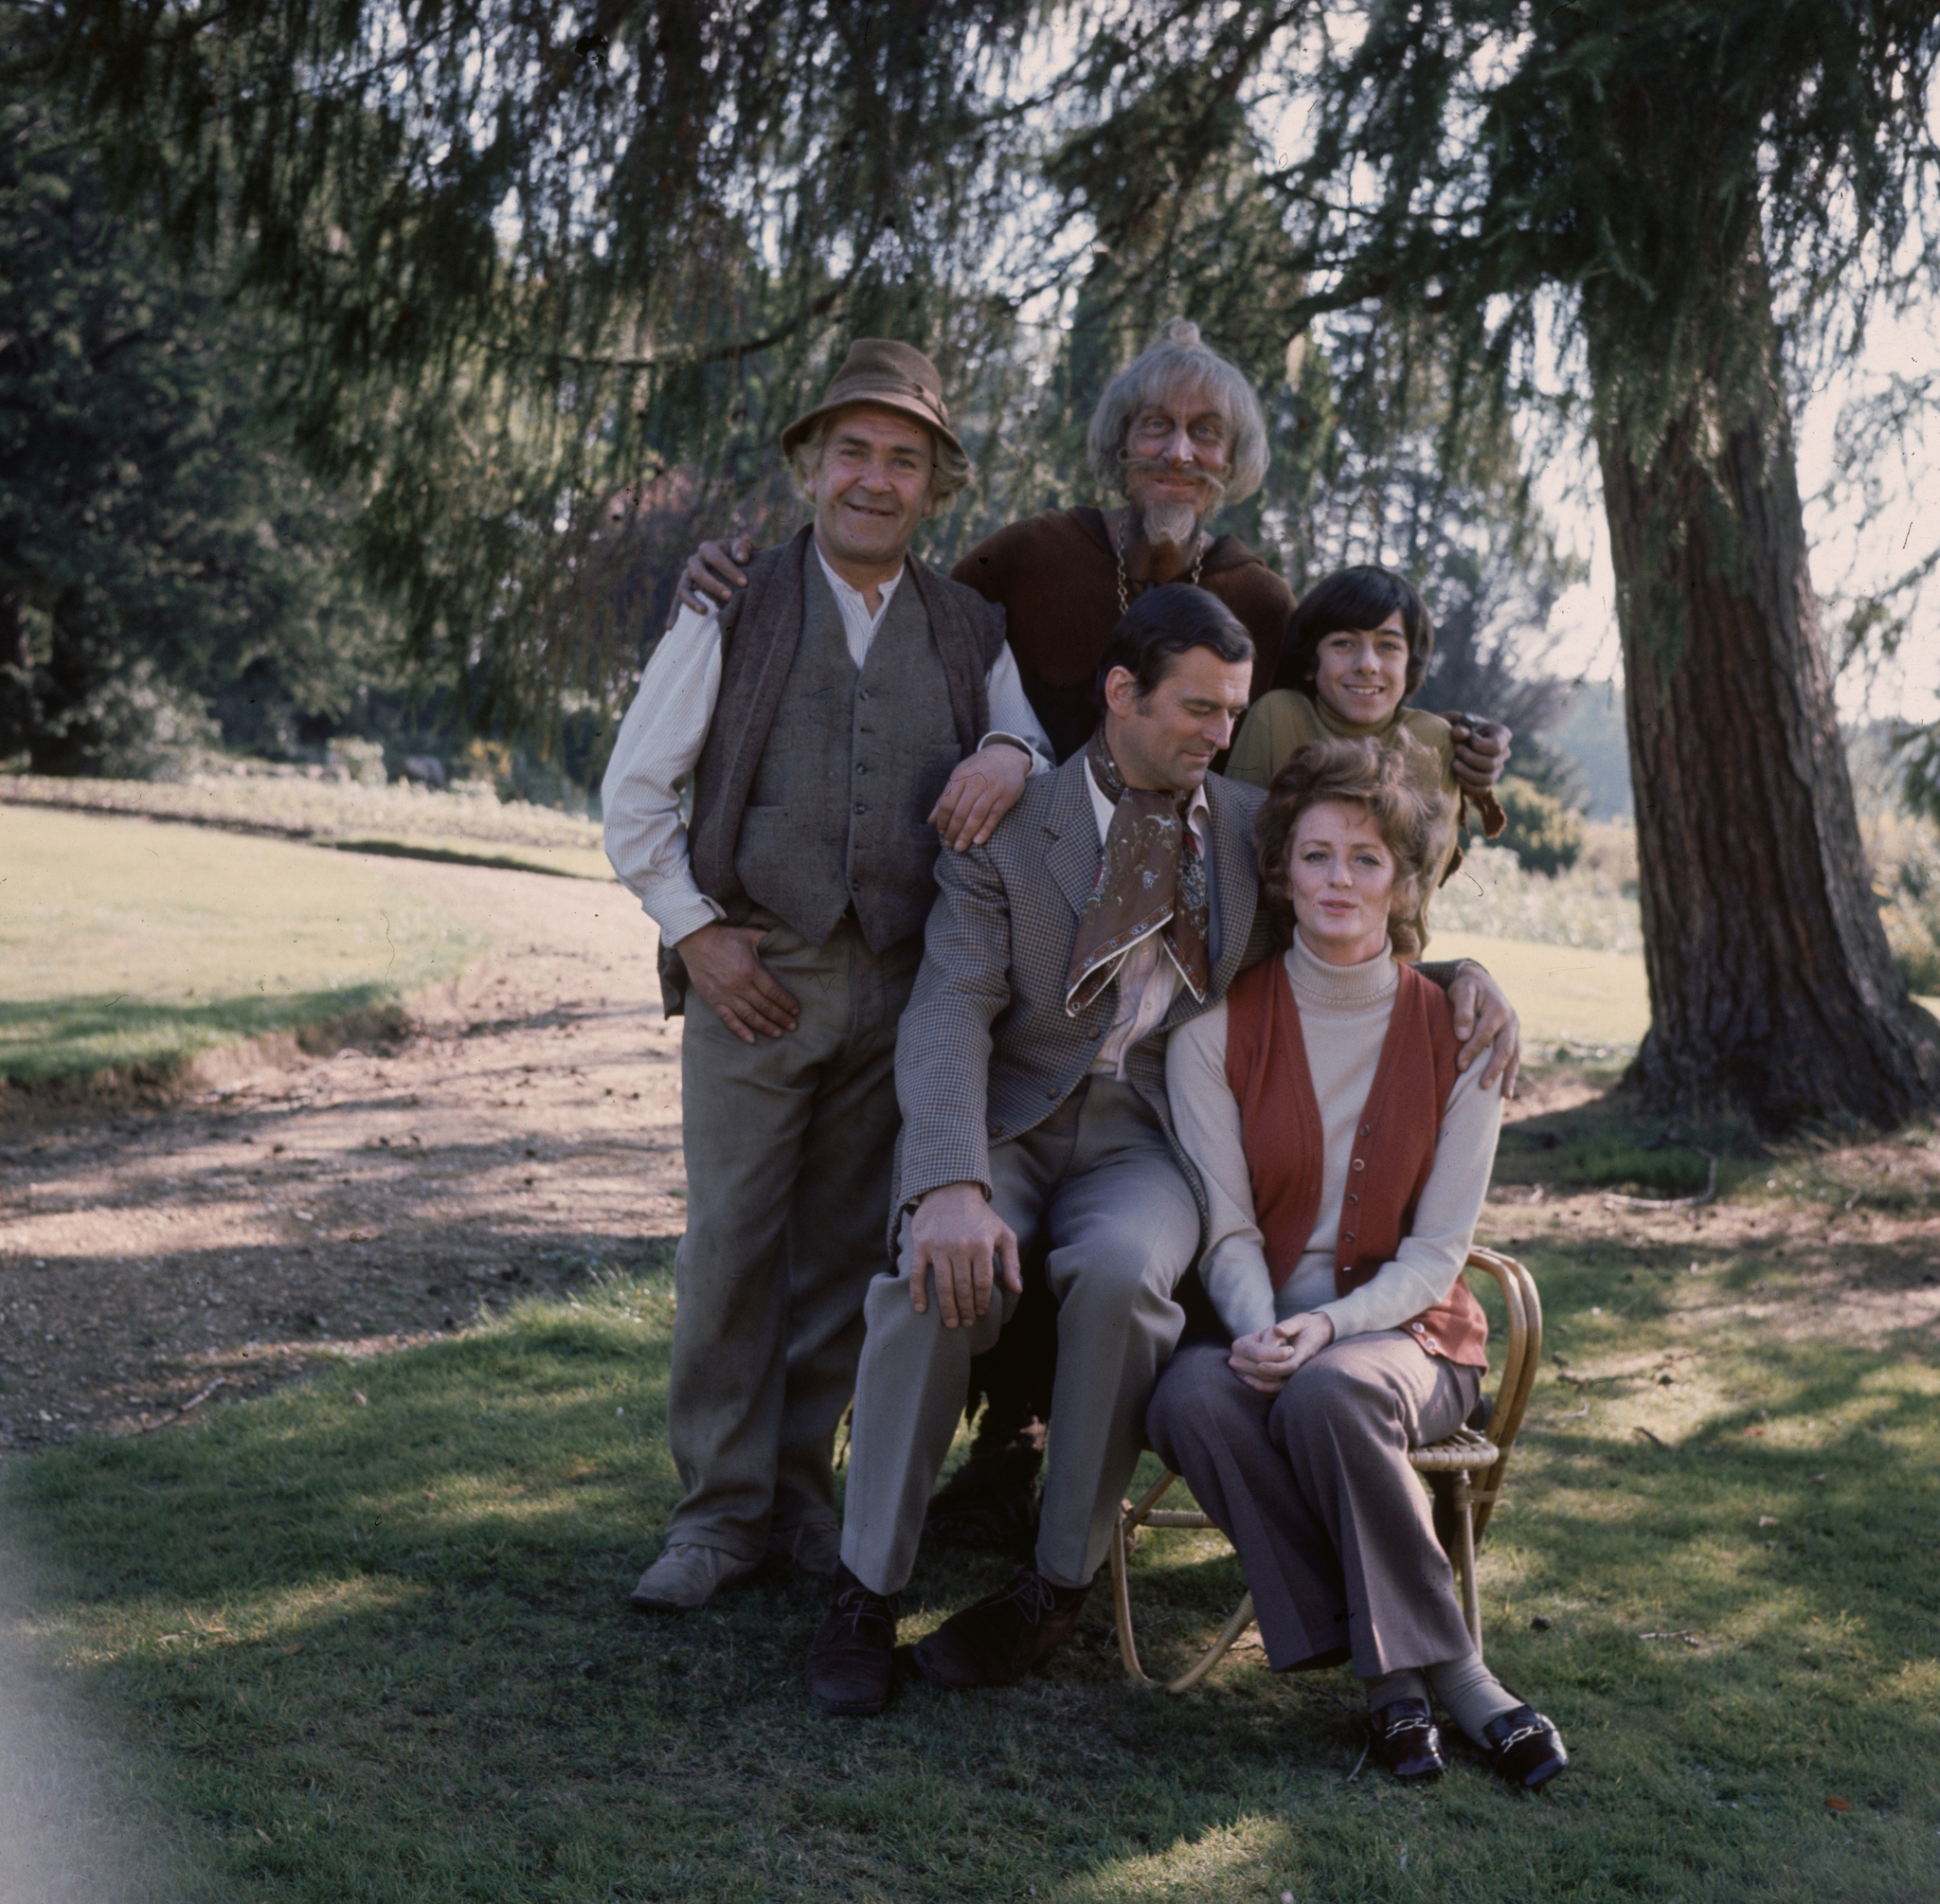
1566 995
367 1639
1569 997
128 944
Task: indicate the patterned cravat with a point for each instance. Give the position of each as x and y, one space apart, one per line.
1151 879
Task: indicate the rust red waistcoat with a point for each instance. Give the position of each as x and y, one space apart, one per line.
1394 1143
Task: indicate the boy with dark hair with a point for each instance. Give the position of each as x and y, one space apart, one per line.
1357 647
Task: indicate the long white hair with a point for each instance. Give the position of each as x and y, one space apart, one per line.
1181 361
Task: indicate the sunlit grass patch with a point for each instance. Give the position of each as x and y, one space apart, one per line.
407 1671
136 946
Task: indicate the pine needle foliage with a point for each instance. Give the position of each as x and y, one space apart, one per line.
537 260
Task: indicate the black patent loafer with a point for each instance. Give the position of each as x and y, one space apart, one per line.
1524 1747
1408 1741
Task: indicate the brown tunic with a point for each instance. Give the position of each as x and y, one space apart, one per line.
1056 576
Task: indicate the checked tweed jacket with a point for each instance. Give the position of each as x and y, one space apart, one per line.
985 1050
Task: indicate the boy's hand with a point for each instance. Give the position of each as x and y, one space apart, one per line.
1482 750
711 576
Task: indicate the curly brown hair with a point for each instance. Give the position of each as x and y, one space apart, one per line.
1352 773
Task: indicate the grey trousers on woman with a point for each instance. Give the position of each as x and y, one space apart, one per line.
1313 1487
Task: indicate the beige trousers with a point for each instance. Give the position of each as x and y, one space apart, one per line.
1096 1190
789 1143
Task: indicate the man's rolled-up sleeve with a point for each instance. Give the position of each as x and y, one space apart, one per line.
658 744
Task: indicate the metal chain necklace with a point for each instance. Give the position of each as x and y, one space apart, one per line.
1124 599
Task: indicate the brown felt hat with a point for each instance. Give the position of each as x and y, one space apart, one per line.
882 372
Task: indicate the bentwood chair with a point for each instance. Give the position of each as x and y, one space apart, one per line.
1463 1504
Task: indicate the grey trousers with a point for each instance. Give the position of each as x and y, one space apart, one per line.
1096 1188
1314 1489
789 1143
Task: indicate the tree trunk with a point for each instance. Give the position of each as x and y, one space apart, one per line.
1771 988
16 680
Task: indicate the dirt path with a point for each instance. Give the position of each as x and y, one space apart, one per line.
530 1124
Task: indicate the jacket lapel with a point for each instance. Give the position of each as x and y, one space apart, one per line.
1233 890
1071 858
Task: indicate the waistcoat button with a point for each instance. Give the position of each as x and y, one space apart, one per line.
1350 1236
1356 1165
1367 1130
1350 1197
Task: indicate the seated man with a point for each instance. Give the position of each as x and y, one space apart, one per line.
1118 900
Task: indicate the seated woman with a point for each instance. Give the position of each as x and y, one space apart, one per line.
1345 1160
1356 646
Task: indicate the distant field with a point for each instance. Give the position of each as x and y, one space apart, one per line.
130 943
1588 1001
477 829
1565 995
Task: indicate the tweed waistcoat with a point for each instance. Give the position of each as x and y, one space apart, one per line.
781 816
1394 1144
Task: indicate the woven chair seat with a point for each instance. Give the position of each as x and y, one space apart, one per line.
1467 1449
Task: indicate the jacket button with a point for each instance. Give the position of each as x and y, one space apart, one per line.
1367 1130
860 768
1350 1197
860 808
1356 1165
862 694
1350 1236
996 1130
1051 1095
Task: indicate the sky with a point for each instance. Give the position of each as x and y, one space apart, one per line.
1847 557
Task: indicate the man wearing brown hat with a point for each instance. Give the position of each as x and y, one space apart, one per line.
839 715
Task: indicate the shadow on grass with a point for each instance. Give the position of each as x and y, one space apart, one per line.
44 1040
370 1636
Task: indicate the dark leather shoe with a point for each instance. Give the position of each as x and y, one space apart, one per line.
999 1639
849 1658
1407 1740
1524 1747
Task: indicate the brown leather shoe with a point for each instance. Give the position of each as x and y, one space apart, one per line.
849 1658
1408 1741
999 1639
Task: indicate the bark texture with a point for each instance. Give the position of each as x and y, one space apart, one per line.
1773 991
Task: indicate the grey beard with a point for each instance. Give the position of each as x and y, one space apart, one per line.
1171 525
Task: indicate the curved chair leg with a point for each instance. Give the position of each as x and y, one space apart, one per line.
1122 1599
1465 1554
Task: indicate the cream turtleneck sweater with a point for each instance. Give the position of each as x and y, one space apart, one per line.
1343 1018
